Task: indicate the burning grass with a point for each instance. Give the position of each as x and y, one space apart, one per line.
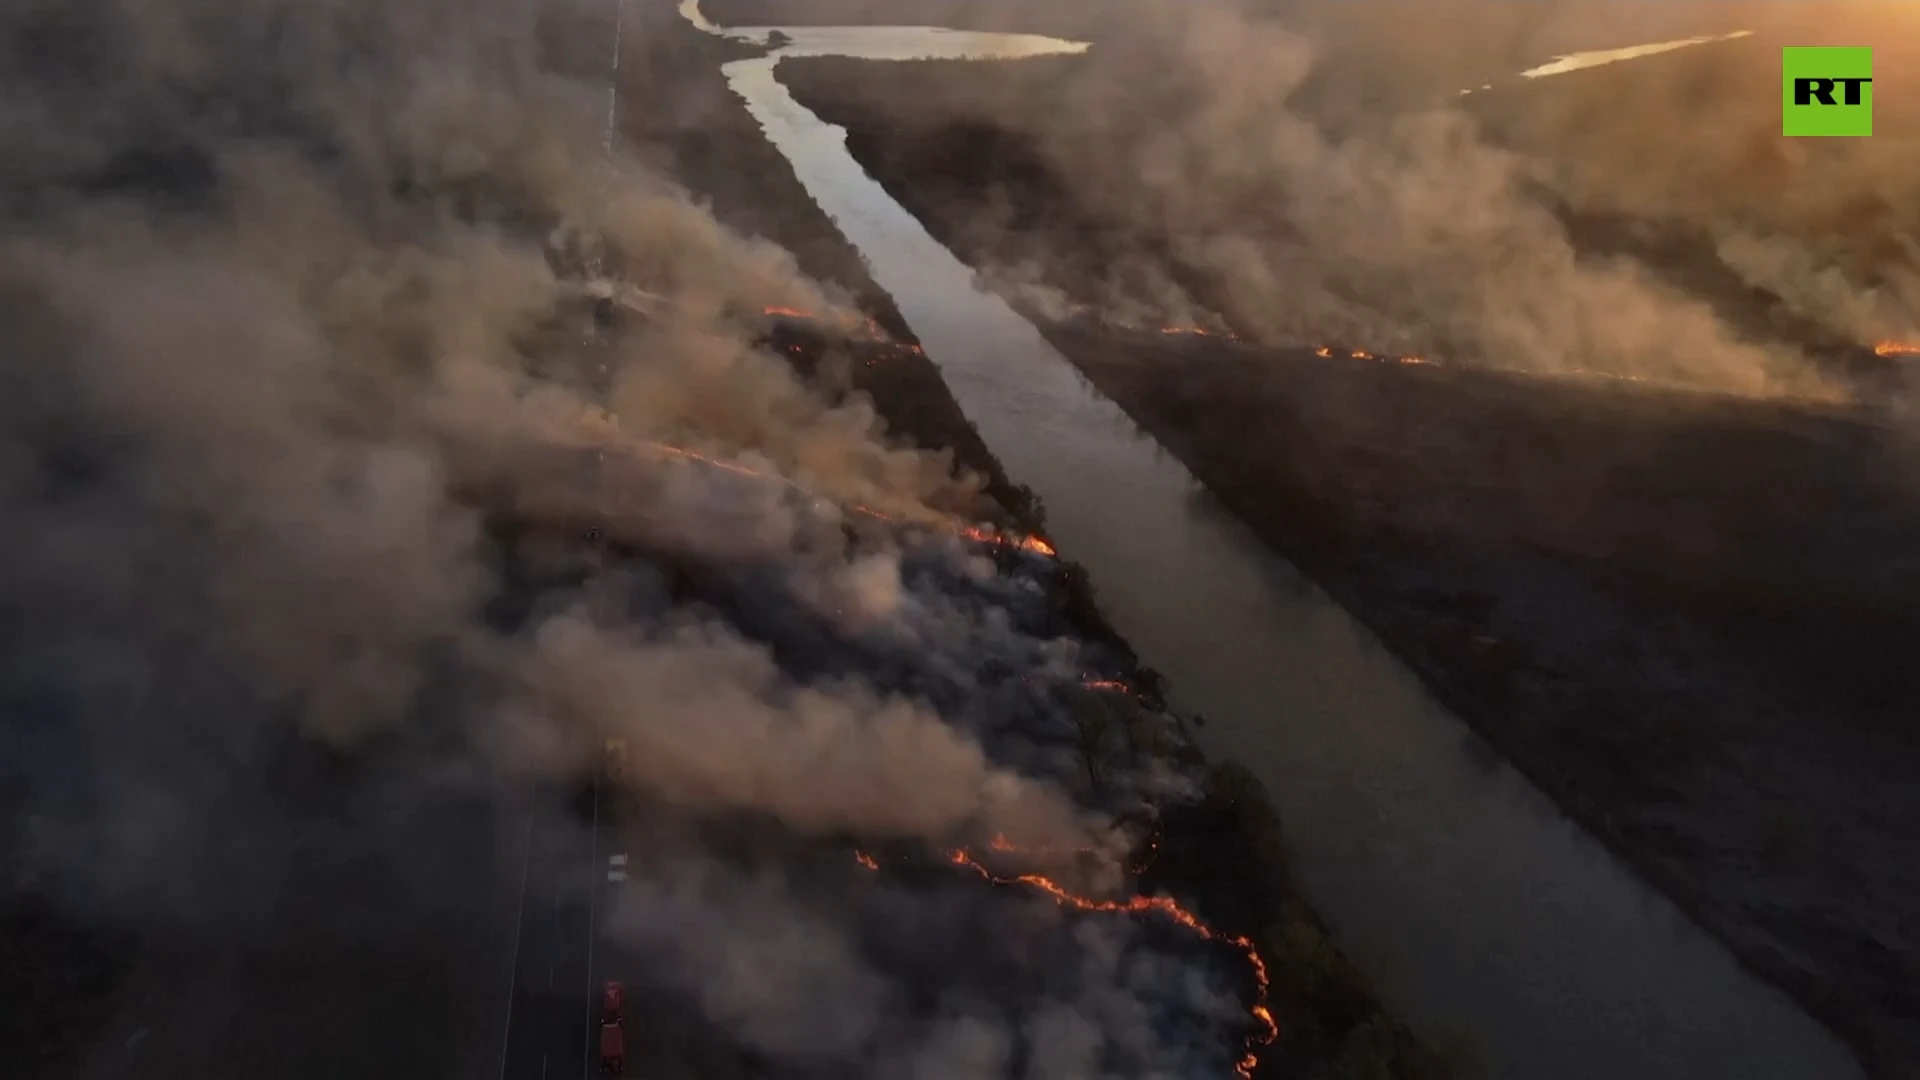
1265 1028
1307 1012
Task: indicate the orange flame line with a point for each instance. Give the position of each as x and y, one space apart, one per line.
1143 905
1090 683
1897 348
1003 539
1165 907
1329 352
1886 348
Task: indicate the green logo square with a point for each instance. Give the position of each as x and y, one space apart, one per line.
1826 91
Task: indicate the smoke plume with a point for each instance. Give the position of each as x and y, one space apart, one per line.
285 295
1313 172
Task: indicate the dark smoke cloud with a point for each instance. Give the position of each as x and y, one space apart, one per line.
279 293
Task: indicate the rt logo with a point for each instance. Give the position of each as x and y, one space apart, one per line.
1826 91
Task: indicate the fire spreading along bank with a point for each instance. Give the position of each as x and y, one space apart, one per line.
1891 348
1266 1029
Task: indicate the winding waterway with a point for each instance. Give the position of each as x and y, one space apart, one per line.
1474 904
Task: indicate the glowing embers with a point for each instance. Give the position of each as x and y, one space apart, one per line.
1160 907
1032 545
1163 907
1195 331
1897 348
1335 353
1005 539
1330 352
1098 685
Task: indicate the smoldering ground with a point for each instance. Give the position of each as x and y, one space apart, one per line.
1313 174
278 292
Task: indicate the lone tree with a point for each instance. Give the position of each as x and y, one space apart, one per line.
1097 719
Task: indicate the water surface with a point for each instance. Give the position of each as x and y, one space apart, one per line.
1580 61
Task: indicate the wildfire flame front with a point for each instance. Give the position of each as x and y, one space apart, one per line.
1164 907
1033 544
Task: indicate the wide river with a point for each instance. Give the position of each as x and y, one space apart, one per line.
1477 908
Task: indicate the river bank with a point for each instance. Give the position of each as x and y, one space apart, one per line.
1686 656
1226 854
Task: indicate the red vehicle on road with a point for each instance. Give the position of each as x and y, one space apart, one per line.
613 1049
611 997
